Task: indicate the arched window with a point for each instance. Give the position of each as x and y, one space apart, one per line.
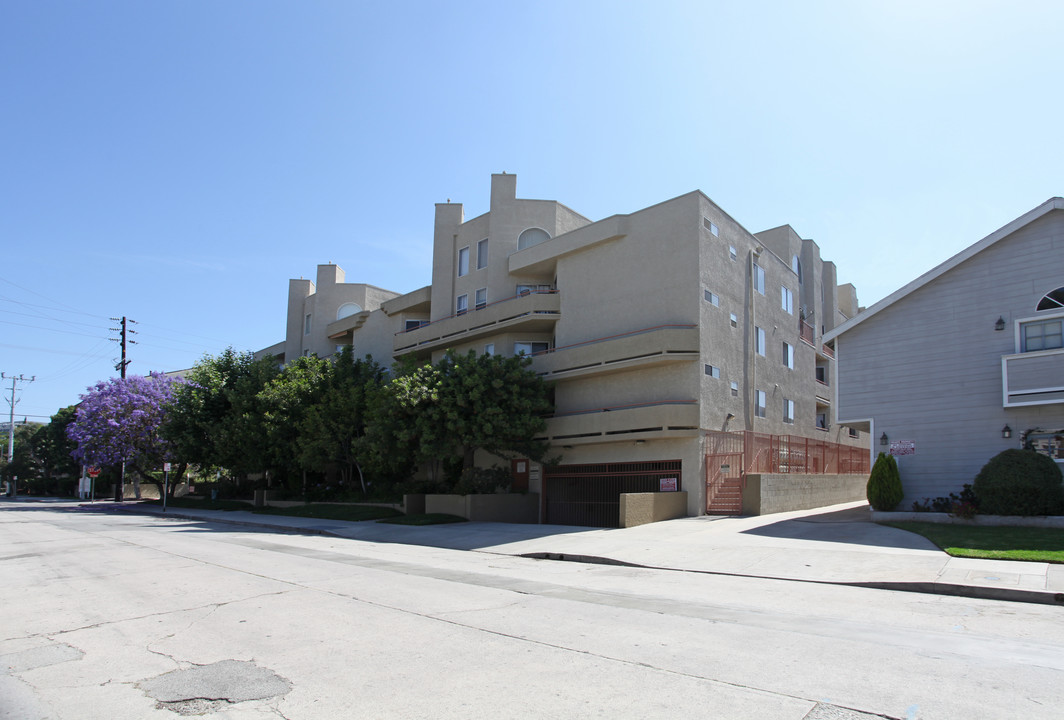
796 265
347 310
1052 300
532 236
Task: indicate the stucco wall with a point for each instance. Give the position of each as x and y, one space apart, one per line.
643 508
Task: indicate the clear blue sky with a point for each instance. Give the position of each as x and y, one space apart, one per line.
177 162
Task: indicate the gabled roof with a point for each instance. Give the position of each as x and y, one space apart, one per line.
1027 218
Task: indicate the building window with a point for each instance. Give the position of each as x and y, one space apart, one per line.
759 278
788 410
1053 300
735 389
788 356
712 298
732 253
796 265
481 298
489 349
734 320
713 229
530 348
414 324
787 300
461 305
713 371
821 421
761 404
306 324
529 289
347 310
463 262
1042 335
855 433
532 236
760 341
482 254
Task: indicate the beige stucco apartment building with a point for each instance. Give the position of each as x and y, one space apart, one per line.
653 327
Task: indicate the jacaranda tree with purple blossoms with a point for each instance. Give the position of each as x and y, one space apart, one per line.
118 421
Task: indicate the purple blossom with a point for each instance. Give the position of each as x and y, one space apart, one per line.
118 421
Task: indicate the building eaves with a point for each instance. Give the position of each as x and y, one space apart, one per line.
1054 203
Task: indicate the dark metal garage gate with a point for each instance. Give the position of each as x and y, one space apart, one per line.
590 495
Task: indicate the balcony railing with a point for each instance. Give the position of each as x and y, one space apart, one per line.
1033 378
621 422
531 312
807 333
655 345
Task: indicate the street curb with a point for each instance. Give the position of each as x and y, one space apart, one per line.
922 587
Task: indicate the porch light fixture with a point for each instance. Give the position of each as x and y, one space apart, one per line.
1000 324
1006 432
883 439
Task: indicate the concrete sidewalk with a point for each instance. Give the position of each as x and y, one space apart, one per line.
835 545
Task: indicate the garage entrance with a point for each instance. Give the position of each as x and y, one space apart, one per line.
590 495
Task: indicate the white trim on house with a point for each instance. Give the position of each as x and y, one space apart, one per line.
1055 203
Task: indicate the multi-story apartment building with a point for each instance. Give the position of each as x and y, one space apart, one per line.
966 360
652 327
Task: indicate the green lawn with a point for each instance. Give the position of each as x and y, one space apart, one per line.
995 543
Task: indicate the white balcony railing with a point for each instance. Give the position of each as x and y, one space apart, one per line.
1033 378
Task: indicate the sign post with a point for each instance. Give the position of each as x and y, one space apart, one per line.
93 473
166 482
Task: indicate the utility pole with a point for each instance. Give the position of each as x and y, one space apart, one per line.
123 340
120 487
13 401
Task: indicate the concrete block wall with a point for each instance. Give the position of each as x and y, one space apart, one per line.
766 494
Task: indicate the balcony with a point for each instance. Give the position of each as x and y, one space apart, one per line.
1033 378
666 418
530 312
807 333
345 328
647 347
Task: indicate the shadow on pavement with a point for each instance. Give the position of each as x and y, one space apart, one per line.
852 526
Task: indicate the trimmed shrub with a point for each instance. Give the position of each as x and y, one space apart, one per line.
884 484
1020 482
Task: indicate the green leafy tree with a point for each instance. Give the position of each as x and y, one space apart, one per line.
333 430
54 449
285 401
23 464
471 402
216 416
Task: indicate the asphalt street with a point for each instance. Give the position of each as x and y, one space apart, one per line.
126 616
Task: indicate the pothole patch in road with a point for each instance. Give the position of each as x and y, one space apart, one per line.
201 689
38 657
827 711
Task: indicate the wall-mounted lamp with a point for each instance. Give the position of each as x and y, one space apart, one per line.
730 416
640 442
883 439
1000 324
1006 432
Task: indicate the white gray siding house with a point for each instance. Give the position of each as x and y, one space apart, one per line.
959 354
